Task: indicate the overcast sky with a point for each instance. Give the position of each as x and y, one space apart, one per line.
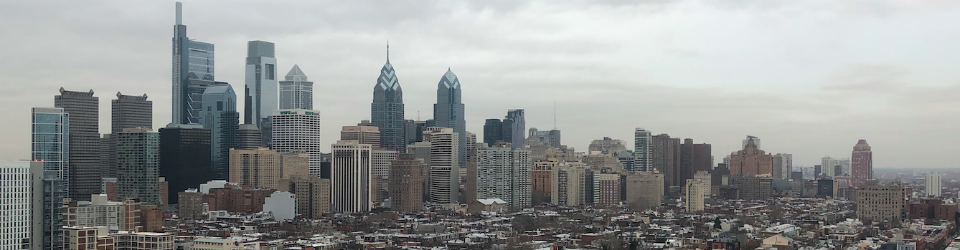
808 77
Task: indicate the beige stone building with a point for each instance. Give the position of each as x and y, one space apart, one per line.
751 161
878 202
294 164
406 184
644 190
259 168
695 193
312 193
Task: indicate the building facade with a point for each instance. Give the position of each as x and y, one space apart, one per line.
569 184
298 130
541 181
17 204
642 151
312 193
386 110
130 112
607 189
751 161
192 60
696 190
260 88
260 168
184 158
666 158
381 159
219 116
861 167
406 184
296 92
504 173
519 127
932 184
362 134
248 137
644 190
879 202
448 112
138 165
350 177
84 133
444 168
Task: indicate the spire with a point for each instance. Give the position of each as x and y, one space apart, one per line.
179 13
388 50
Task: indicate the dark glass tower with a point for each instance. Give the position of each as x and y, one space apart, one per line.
386 111
449 110
184 158
84 155
130 112
492 132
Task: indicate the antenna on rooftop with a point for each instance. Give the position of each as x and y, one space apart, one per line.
554 115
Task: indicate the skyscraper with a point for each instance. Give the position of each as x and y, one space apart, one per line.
50 146
444 168
644 190
861 167
933 184
381 158
17 205
666 158
131 112
406 184
350 177
220 117
878 202
568 185
259 168
138 165
756 141
492 131
248 137
260 82
695 193
295 91
829 165
185 158
298 130
642 150
519 127
83 107
751 162
362 134
386 111
504 173
192 60
448 112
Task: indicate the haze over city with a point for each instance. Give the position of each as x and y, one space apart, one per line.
809 77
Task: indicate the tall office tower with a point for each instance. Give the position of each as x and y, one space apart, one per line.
296 92
541 181
260 168
861 167
192 62
666 158
380 170
386 111
185 158
506 131
568 184
406 184
297 130
350 177
877 202
504 173
702 158
607 145
444 187
817 171
828 166
138 165
448 112
313 195
50 145
266 132
471 141
108 156
260 89
608 189
844 166
787 164
219 115
553 138
131 112
519 126
361 134
492 131
756 141
84 156
248 137
933 185
642 150
17 204
644 190
421 151
695 193
750 162
776 169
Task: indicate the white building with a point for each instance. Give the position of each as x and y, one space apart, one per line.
568 184
380 167
933 184
828 166
283 205
16 187
298 130
642 150
504 173
695 193
444 166
100 212
350 177
295 91
706 179
260 82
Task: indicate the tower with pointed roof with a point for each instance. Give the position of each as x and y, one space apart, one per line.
862 163
449 110
296 92
386 111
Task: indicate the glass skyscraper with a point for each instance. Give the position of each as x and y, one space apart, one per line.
219 115
386 111
260 90
192 60
519 127
295 91
448 112
138 165
50 145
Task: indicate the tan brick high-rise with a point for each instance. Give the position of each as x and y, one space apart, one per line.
259 168
541 180
313 195
406 184
877 202
751 161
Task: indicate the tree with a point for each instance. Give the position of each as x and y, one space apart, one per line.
717 223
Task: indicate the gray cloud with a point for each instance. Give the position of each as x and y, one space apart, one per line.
809 77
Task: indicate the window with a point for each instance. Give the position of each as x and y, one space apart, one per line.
271 72
219 105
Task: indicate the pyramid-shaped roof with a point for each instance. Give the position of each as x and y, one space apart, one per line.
296 74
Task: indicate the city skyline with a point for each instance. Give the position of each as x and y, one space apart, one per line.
802 117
